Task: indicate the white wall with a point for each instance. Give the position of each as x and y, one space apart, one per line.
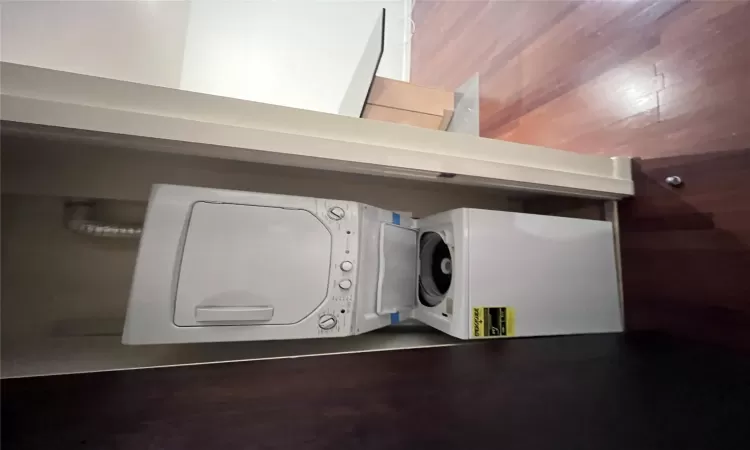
288 53
135 41
291 52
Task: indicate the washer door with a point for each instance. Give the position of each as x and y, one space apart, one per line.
246 265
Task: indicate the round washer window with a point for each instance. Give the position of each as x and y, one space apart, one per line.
436 269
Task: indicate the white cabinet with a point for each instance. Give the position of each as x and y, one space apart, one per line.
71 136
170 120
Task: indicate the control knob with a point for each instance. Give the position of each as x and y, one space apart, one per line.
327 321
336 213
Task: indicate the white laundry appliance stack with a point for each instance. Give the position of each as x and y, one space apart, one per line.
218 265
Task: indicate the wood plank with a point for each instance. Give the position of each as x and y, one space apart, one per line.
411 97
402 116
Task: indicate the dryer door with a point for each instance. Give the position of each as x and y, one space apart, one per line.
386 292
244 264
216 265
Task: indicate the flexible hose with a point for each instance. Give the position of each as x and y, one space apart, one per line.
77 221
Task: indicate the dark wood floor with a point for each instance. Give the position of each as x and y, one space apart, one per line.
640 78
585 392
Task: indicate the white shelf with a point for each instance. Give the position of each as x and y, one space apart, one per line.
175 121
79 354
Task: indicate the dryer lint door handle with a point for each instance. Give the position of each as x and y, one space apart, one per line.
233 313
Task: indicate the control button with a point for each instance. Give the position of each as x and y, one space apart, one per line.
346 266
345 284
336 213
327 321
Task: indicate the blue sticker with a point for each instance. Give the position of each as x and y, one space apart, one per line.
395 318
396 219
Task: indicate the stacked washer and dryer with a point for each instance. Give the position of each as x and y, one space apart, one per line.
218 265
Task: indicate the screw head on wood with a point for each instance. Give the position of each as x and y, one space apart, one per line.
674 180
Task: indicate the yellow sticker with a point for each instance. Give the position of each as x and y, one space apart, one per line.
494 322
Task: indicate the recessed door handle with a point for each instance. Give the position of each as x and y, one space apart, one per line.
233 313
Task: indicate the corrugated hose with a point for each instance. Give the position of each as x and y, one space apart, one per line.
77 220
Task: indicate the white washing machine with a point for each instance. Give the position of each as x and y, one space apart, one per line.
218 265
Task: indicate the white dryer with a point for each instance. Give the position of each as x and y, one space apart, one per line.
218 265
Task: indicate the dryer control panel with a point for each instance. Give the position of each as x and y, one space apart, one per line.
342 219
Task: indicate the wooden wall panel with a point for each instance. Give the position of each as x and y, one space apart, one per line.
686 250
645 78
